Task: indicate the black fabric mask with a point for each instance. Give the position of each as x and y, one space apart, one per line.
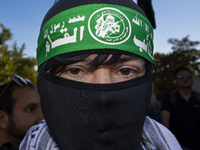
83 116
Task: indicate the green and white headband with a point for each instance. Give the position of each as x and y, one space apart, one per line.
96 26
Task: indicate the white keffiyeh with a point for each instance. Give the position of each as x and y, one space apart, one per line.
159 136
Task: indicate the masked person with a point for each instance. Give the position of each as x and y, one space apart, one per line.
95 64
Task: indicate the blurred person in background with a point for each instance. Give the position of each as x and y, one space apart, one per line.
19 110
180 110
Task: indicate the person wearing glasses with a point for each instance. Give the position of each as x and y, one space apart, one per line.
19 110
180 110
95 65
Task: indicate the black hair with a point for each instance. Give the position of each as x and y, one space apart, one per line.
7 102
58 63
179 69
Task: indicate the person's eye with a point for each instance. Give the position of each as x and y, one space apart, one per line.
30 109
74 71
125 71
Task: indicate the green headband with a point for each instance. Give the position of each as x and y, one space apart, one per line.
96 26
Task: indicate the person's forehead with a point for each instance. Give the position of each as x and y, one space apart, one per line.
25 96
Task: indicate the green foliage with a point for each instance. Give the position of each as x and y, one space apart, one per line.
13 61
184 55
5 35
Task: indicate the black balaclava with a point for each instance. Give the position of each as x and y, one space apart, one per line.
94 116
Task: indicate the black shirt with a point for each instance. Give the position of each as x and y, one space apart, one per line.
184 119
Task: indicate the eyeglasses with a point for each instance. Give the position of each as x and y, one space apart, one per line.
20 81
184 76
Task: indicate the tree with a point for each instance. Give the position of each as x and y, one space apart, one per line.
183 54
13 61
5 35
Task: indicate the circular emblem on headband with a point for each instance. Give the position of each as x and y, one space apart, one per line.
109 26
